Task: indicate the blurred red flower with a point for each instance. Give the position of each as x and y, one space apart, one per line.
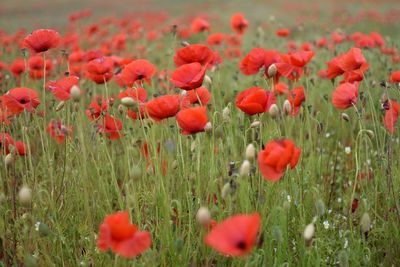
255 100
18 99
345 95
192 120
42 40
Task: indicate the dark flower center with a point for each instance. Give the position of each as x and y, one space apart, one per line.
23 101
241 245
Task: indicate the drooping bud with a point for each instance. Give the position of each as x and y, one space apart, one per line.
226 190
273 110
75 93
365 224
345 117
60 106
250 152
208 127
127 101
287 107
25 195
370 133
272 70
203 216
9 159
185 43
207 80
245 168
308 234
255 124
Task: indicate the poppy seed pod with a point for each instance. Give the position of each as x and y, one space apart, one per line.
203 216
60 106
272 70
308 234
245 168
128 101
273 111
25 195
287 107
250 152
75 93
345 117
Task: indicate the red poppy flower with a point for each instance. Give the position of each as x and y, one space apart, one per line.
42 40
188 76
98 107
200 25
392 116
61 88
36 66
111 127
193 53
395 77
192 120
17 67
296 97
234 236
58 131
281 88
137 94
100 69
163 107
345 95
351 63
5 141
284 32
255 100
21 147
122 237
276 156
200 95
19 99
137 71
258 58
291 65
238 23
215 38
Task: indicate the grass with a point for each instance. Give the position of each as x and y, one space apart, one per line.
76 184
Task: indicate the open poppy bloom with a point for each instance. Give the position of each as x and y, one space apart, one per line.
296 97
276 156
291 65
192 120
58 131
122 237
238 23
395 77
193 53
19 99
137 71
345 95
258 58
163 107
189 76
255 100
100 69
61 88
352 64
42 40
111 127
200 95
234 236
392 116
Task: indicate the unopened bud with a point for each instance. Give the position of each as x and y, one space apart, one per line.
308 234
60 106
365 224
185 43
226 114
287 107
370 133
135 173
75 93
9 159
203 216
121 109
245 168
226 190
273 111
208 80
255 124
345 117
272 70
127 101
25 195
250 152
208 127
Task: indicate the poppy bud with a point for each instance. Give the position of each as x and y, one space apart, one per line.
345 117
203 216
272 70
365 224
60 106
255 124
370 133
384 97
308 234
75 93
127 101
121 109
185 43
347 150
208 127
343 259
207 80
287 107
226 114
250 152
9 159
245 168
25 195
226 190
320 207
273 111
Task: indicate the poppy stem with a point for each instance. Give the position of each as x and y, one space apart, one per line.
44 86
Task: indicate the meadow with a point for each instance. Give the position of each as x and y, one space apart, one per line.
174 134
